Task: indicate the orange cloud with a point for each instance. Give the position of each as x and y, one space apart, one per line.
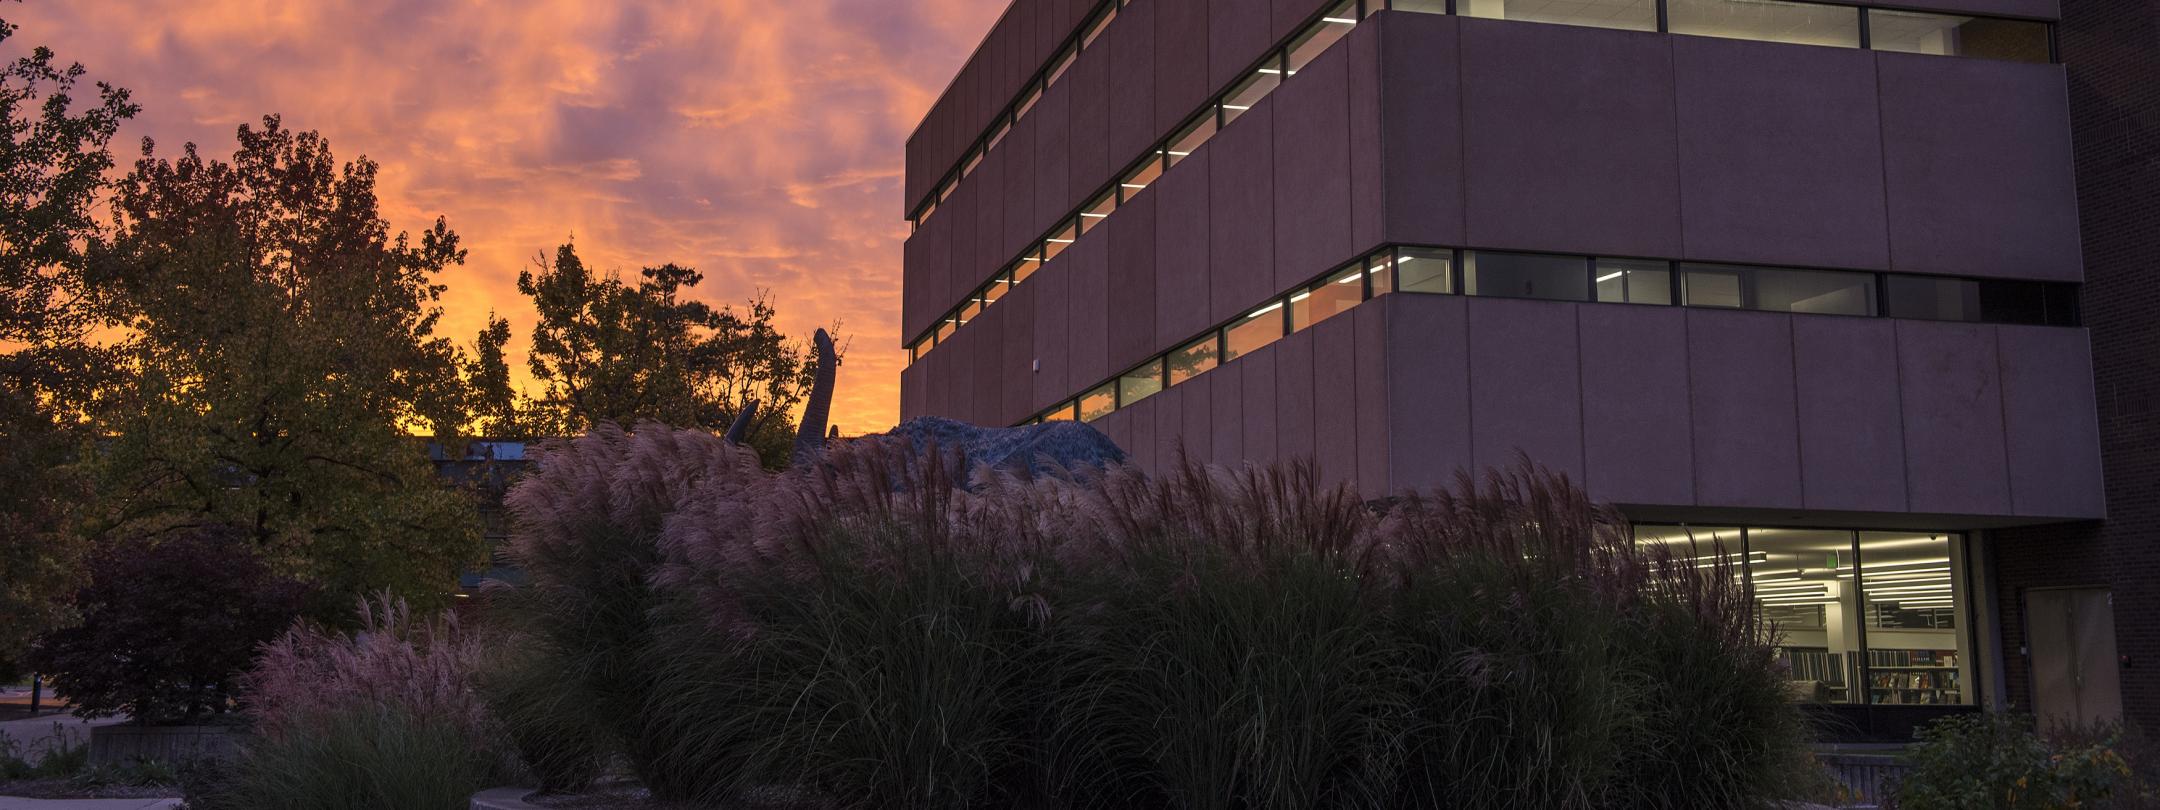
760 142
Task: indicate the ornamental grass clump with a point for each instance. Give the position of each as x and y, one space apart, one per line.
385 716
885 628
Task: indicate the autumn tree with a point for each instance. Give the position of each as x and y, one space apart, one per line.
53 157
282 351
607 349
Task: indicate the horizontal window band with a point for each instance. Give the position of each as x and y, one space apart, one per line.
1875 28
1578 278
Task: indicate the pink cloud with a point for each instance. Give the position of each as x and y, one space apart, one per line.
759 142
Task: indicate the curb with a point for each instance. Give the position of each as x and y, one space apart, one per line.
504 798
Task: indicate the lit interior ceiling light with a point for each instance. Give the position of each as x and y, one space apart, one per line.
1301 296
1338 20
1610 276
1267 309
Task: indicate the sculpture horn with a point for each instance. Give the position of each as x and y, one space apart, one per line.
737 431
810 436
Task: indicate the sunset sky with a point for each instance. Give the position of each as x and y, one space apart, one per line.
759 142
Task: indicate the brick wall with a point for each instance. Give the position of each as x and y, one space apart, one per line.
2112 51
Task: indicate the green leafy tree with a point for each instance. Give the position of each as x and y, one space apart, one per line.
282 353
605 349
53 159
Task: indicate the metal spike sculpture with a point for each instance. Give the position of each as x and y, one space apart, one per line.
810 437
741 429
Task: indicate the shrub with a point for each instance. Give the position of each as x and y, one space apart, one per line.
386 716
168 625
873 631
554 734
1994 760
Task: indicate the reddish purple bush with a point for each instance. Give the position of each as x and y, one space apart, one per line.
168 626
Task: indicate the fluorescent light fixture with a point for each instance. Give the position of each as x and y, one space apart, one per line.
1301 296
1610 276
1338 20
1235 107
1266 309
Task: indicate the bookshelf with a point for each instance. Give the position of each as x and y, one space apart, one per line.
1914 677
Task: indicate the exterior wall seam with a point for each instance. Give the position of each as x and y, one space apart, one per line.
2002 406
1688 372
1897 370
1582 411
1672 56
1792 354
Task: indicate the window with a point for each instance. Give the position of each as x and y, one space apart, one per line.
1189 139
1060 240
1766 20
1633 281
1064 63
1526 275
945 191
997 133
1095 29
1333 26
1064 412
1916 646
1821 292
1140 177
1140 383
974 159
915 350
996 289
1027 101
1258 328
1098 210
968 310
927 209
1424 270
1935 299
1249 92
1380 269
1098 403
1190 360
1421 6
1859 617
1026 267
1952 35
944 330
1802 581
1328 298
1632 15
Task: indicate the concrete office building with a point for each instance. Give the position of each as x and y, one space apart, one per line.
1802 277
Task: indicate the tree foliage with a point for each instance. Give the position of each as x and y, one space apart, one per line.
610 350
282 348
53 156
168 627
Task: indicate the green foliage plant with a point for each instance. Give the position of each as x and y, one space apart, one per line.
1994 760
55 149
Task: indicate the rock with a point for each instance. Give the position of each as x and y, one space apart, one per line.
1041 449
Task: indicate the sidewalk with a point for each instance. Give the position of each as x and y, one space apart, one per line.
9 803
